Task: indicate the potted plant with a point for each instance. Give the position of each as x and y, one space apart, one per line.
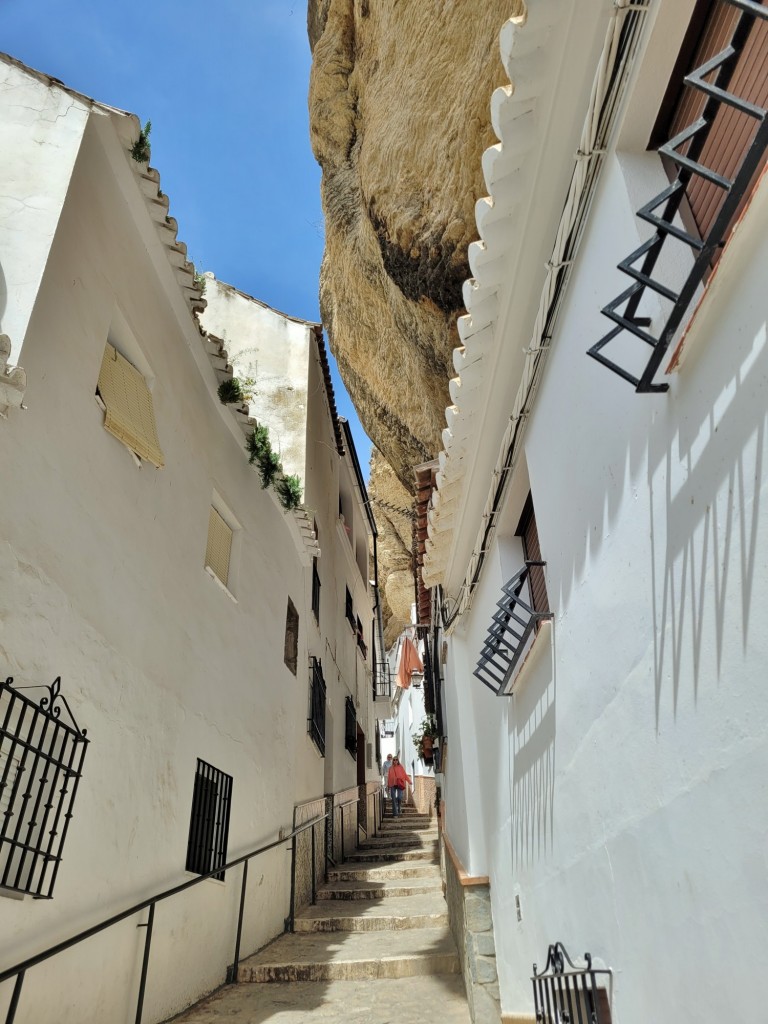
424 739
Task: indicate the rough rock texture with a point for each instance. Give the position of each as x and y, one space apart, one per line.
399 117
392 507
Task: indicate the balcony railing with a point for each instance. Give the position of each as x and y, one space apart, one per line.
511 627
685 150
316 720
567 993
382 681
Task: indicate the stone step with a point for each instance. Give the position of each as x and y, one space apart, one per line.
353 1002
360 955
361 890
395 914
398 843
405 833
352 871
389 854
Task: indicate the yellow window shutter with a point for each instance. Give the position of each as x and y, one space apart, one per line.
219 546
130 415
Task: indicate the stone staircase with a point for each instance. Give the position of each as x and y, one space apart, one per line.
374 948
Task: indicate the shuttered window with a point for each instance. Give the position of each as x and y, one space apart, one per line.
130 416
219 546
529 535
732 130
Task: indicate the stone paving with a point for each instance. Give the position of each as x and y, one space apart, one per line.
375 949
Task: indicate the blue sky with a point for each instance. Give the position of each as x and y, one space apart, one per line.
225 86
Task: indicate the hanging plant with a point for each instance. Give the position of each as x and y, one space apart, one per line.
289 491
424 739
261 454
141 149
231 392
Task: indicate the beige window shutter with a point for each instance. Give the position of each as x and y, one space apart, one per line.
130 415
219 546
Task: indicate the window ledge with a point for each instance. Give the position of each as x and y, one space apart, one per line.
223 586
541 641
216 881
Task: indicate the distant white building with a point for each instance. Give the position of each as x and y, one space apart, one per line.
598 533
215 647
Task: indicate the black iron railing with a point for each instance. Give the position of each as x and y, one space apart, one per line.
566 993
41 762
350 727
685 151
209 820
382 681
18 971
315 591
316 720
511 627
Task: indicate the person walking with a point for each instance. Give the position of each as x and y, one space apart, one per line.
385 774
396 780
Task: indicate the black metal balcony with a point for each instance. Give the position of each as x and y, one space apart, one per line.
568 993
511 627
685 151
382 681
350 727
316 720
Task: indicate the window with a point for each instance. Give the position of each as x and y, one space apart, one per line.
209 821
41 761
529 535
219 547
360 641
315 591
291 648
349 610
316 720
719 137
727 141
350 727
129 413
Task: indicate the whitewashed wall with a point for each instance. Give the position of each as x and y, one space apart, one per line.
40 133
102 582
620 791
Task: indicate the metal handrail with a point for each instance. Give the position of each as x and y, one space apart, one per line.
19 970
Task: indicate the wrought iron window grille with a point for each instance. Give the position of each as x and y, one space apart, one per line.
209 821
360 640
566 993
315 591
662 211
41 763
350 727
511 627
349 610
316 720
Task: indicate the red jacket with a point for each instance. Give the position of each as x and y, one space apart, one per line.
397 775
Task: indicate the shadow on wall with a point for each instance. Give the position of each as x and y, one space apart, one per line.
3 297
704 532
532 742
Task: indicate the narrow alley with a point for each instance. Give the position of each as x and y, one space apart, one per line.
375 947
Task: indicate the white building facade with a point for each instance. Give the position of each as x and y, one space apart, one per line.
606 787
145 566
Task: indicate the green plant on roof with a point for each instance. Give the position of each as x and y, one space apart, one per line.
261 454
141 148
230 392
289 491
200 281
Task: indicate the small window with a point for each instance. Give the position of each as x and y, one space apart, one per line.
209 822
291 649
219 547
129 413
349 611
350 727
529 535
315 591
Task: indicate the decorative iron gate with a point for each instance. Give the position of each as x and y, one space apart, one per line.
565 993
41 761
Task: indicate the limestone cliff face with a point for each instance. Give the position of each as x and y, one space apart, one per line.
399 116
392 507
